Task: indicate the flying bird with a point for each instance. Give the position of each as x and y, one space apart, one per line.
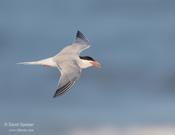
69 62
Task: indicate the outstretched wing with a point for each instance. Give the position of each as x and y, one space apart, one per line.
81 43
70 73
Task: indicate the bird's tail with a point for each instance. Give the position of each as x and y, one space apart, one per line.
44 62
30 63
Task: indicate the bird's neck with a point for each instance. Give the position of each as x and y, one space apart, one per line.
84 64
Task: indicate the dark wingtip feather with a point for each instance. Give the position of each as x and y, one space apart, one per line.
61 91
81 37
54 96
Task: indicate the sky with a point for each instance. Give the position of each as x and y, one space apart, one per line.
133 39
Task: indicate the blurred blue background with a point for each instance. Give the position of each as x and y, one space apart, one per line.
134 41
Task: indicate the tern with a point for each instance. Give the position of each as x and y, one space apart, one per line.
69 62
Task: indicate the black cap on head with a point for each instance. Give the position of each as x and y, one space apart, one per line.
87 58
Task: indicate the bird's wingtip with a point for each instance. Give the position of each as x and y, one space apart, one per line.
79 34
54 96
80 37
78 30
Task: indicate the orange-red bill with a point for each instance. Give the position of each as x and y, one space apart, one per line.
96 64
